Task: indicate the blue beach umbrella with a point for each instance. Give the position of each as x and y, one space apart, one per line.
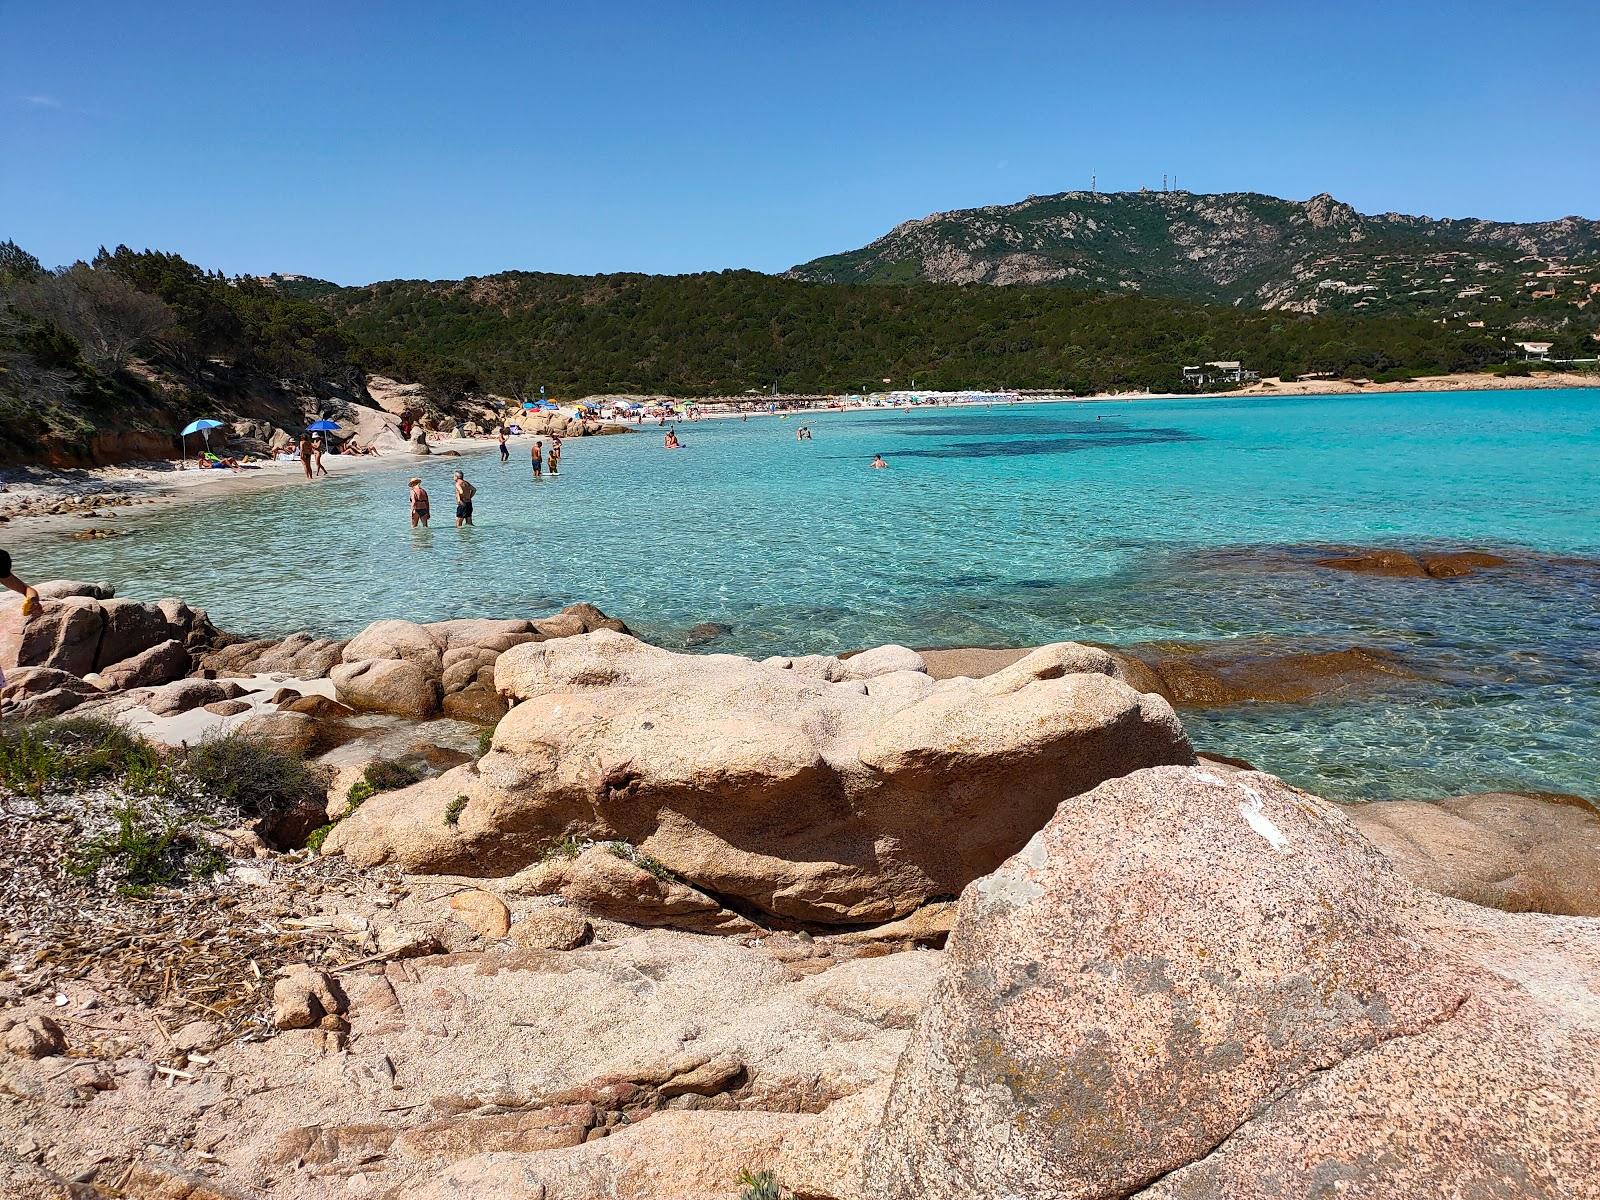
199 427
323 427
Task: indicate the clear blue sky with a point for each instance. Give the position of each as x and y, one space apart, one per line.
362 141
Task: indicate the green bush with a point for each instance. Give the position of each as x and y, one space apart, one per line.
640 859
453 810
148 848
258 782
391 776
485 741
381 777
567 847
317 836
761 1185
73 751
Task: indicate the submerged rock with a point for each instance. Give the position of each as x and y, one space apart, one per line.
813 790
1195 986
1518 853
1404 564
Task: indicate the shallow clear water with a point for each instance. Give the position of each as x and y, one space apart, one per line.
1005 526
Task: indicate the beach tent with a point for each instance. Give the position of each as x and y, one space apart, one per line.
199 427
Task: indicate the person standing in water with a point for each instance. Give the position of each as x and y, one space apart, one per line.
464 494
877 462
318 447
538 458
419 504
555 454
505 450
306 451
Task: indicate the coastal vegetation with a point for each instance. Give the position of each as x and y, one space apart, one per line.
727 332
122 350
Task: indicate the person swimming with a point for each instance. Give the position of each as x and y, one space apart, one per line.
877 462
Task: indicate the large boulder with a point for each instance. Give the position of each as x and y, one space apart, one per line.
162 663
37 693
611 885
1518 853
447 667
388 685
300 655
768 784
1191 986
80 628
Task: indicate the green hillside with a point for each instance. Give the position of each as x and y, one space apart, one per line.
1243 248
727 332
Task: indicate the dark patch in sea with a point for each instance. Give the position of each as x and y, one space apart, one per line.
1048 446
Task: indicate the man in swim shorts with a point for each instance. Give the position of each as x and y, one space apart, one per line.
464 494
419 504
505 450
538 458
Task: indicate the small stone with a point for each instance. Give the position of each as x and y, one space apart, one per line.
303 996
91 1077
552 928
482 913
35 1037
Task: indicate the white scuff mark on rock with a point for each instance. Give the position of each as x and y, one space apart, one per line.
1012 888
1255 814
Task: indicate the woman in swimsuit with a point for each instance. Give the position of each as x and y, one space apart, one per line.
419 504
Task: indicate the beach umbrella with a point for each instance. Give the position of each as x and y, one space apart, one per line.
323 427
199 427
527 404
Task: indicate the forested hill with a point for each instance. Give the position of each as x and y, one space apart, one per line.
727 332
1316 255
103 361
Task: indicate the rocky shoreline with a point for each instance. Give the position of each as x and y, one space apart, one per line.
896 924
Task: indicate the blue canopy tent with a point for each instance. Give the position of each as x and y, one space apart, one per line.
199 427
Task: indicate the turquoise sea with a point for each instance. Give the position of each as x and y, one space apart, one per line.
1112 522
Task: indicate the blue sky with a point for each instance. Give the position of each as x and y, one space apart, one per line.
362 141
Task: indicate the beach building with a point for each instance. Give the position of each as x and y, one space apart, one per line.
1222 371
1534 350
